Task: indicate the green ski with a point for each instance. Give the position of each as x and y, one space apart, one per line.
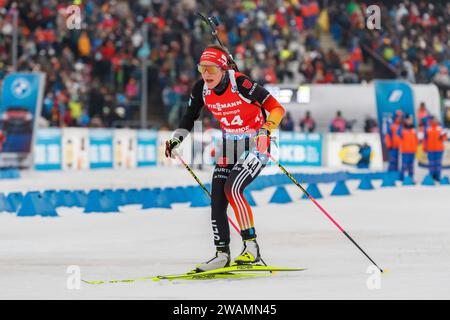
211 276
250 267
236 271
186 276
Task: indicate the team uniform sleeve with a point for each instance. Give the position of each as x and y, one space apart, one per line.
192 112
252 90
257 93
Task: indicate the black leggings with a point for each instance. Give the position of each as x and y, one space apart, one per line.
230 178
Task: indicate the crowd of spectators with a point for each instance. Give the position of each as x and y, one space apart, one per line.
413 37
91 72
94 72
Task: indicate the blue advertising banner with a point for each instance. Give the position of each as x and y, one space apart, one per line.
300 149
146 148
101 148
48 149
20 107
392 95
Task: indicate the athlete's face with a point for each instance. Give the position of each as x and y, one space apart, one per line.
212 74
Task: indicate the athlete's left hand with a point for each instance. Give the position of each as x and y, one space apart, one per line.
170 146
262 140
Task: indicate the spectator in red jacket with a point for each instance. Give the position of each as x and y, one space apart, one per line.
433 145
408 147
423 116
2 139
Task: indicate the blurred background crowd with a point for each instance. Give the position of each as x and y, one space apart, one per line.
94 73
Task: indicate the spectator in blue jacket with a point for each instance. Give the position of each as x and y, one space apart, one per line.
365 151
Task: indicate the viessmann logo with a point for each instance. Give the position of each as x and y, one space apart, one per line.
219 106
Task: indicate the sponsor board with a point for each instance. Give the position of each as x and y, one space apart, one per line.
75 148
100 148
48 149
125 148
21 101
345 150
146 148
299 149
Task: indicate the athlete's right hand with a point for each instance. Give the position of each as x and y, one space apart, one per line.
170 146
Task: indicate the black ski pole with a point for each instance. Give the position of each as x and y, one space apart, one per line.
212 22
188 168
322 209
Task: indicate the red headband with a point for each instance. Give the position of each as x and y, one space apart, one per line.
215 56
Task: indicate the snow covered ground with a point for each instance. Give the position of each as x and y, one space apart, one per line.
404 229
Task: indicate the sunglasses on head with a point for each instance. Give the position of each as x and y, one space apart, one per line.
211 69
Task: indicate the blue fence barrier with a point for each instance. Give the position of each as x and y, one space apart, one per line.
109 200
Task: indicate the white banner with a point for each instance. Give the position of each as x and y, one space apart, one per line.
125 148
345 150
75 148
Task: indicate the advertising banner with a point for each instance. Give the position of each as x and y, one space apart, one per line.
299 149
125 148
392 95
47 150
101 148
75 148
146 148
357 150
20 107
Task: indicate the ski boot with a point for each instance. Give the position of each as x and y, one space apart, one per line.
221 260
250 254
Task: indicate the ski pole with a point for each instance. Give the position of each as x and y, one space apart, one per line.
188 168
212 22
321 209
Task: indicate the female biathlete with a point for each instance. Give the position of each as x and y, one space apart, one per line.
239 104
